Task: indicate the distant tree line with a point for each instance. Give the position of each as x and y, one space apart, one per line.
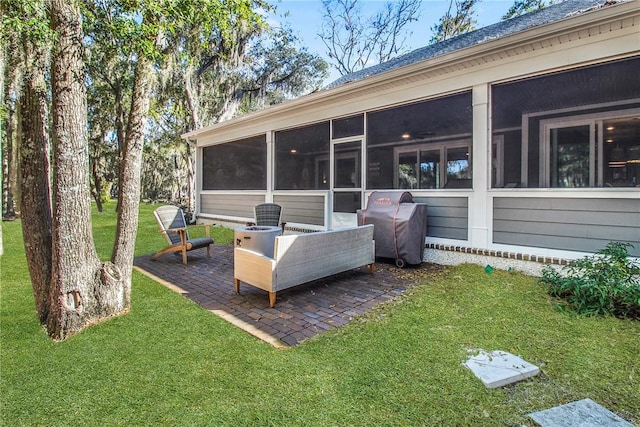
95 97
206 69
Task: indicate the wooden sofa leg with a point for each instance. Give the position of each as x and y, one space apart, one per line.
236 282
272 299
184 255
372 267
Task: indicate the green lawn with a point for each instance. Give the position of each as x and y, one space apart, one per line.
170 362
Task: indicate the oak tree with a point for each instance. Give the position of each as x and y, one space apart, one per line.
459 19
354 41
73 288
89 97
520 7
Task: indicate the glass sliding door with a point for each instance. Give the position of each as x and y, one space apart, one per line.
458 168
620 143
594 150
407 170
430 169
433 165
570 159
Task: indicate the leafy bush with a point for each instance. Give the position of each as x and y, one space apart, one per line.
607 283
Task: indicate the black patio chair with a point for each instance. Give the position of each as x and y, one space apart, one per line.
268 215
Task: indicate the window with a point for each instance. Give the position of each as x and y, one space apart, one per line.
430 169
238 165
301 158
407 170
458 168
408 147
596 150
561 139
570 150
621 151
348 126
429 174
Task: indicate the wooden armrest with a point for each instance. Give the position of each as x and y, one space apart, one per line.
182 230
175 230
207 228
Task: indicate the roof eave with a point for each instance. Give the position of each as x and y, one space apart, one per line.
531 35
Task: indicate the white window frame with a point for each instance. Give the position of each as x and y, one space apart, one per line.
434 146
596 145
498 167
546 128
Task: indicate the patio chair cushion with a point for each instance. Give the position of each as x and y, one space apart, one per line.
200 242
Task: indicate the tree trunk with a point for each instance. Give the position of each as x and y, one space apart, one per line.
192 96
1 103
11 178
8 165
83 290
130 169
194 106
96 189
120 130
34 162
12 76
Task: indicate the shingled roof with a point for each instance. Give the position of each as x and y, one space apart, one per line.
501 29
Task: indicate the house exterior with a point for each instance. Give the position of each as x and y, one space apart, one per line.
523 138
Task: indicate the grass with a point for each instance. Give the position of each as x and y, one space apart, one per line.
170 362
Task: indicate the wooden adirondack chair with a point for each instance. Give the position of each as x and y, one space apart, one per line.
174 227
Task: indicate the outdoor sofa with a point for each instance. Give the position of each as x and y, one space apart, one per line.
302 258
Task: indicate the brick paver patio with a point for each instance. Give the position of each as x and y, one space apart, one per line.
300 312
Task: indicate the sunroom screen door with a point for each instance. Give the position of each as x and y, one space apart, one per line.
346 182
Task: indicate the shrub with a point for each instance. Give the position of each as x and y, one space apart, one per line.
607 283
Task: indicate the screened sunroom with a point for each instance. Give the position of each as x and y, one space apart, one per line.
527 143
583 132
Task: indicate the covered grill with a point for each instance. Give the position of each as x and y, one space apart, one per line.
400 226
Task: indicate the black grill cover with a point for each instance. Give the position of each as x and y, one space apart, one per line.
400 225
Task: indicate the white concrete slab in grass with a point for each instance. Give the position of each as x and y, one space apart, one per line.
583 413
499 368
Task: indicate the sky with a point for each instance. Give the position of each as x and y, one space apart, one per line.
305 18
